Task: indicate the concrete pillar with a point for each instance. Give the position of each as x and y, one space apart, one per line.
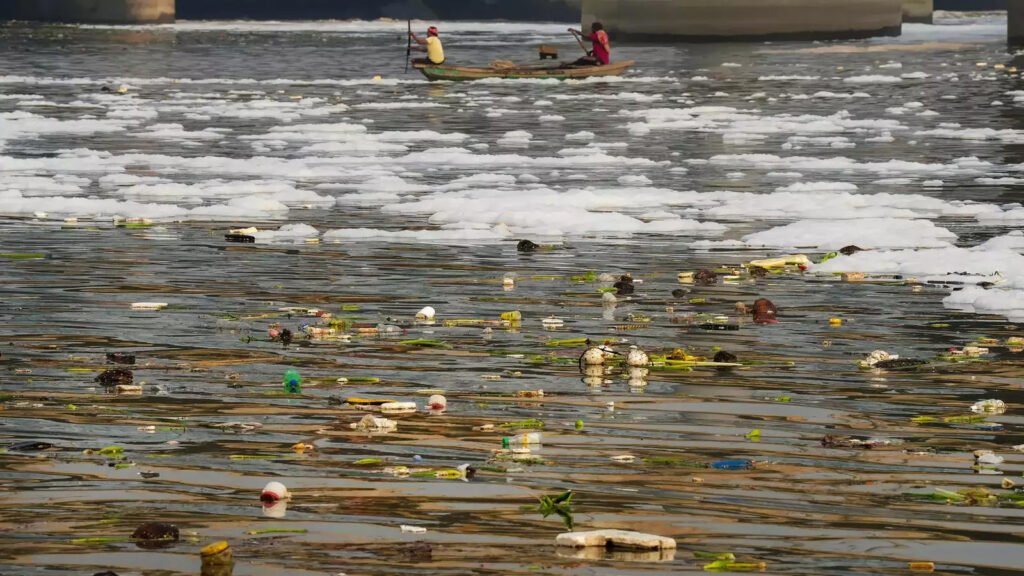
97 11
716 20
1015 22
918 11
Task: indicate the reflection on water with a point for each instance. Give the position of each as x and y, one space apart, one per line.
653 449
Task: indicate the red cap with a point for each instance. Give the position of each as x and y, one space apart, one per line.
432 30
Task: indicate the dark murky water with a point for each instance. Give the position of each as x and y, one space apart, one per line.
206 360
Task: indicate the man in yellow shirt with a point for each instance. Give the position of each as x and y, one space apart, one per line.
431 45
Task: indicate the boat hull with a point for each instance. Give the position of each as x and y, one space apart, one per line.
462 73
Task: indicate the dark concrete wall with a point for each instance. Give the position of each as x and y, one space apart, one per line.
535 10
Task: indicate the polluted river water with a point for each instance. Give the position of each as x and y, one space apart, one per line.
128 153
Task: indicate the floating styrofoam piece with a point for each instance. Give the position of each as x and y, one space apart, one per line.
987 457
406 529
426 313
398 407
149 305
552 322
371 423
615 539
990 406
245 231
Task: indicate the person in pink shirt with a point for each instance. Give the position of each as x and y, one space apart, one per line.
601 53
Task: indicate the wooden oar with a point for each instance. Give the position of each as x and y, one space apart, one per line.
408 45
579 40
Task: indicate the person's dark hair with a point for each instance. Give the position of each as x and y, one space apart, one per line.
596 26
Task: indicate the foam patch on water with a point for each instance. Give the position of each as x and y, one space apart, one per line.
863 232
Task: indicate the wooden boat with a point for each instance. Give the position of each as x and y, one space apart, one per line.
557 72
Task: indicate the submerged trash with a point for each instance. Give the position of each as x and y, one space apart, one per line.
990 406
615 539
764 311
114 376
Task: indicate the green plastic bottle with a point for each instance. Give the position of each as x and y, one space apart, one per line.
292 382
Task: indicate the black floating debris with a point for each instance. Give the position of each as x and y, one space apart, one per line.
286 336
899 363
120 358
148 475
108 572
29 446
851 249
764 311
155 535
757 272
679 293
705 278
241 238
725 357
114 377
527 246
624 286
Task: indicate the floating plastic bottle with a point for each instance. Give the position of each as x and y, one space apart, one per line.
292 382
521 440
732 465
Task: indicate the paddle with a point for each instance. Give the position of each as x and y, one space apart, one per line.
408 45
579 40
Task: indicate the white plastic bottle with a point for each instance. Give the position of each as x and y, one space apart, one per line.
521 440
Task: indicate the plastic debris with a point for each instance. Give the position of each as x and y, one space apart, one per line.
273 492
921 566
987 458
406 529
738 464
513 316
437 402
852 277
637 357
425 313
624 285
593 356
527 246
624 458
521 440
551 322
149 305
217 559
615 539
990 406
398 407
780 261
876 357
292 382
371 423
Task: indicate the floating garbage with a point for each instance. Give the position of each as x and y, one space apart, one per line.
114 377
398 407
128 389
273 492
406 529
615 539
593 356
624 285
764 311
371 423
155 534
876 357
991 406
149 305
987 458
437 402
780 261
637 357
292 382
921 566
29 446
513 316
521 440
551 322
527 246
738 464
216 560
425 313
